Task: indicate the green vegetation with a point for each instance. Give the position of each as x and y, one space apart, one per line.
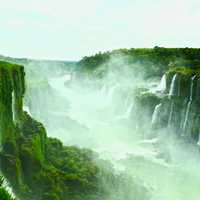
4 194
151 62
29 159
185 71
41 168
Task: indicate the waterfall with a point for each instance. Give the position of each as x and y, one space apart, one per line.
198 143
128 111
189 102
156 112
191 87
171 113
13 106
172 86
162 85
187 114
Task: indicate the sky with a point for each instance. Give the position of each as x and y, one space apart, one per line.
72 29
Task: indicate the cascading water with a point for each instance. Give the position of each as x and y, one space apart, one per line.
171 114
189 103
129 110
198 142
192 87
128 105
13 106
187 115
158 162
163 85
172 90
155 116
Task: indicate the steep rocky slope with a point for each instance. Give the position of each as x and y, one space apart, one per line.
41 168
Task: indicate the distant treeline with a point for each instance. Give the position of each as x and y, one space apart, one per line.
52 64
154 61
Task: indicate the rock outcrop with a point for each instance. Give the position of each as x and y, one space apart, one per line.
179 106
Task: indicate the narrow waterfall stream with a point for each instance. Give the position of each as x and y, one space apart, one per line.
187 114
155 115
171 113
198 143
189 103
192 87
162 85
13 107
172 90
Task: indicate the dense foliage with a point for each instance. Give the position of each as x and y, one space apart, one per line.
4 194
152 61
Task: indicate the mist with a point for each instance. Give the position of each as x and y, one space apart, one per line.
102 113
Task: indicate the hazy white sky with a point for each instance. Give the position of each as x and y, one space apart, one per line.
71 29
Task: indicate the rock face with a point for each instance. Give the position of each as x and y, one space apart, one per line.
11 94
38 167
41 168
179 108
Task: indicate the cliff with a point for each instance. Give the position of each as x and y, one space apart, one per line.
41 168
38 167
176 107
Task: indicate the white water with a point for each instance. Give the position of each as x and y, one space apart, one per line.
13 107
198 143
162 85
156 113
187 115
129 110
172 85
171 113
158 163
189 103
191 87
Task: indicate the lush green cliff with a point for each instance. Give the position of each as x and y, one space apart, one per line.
41 168
37 166
176 108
